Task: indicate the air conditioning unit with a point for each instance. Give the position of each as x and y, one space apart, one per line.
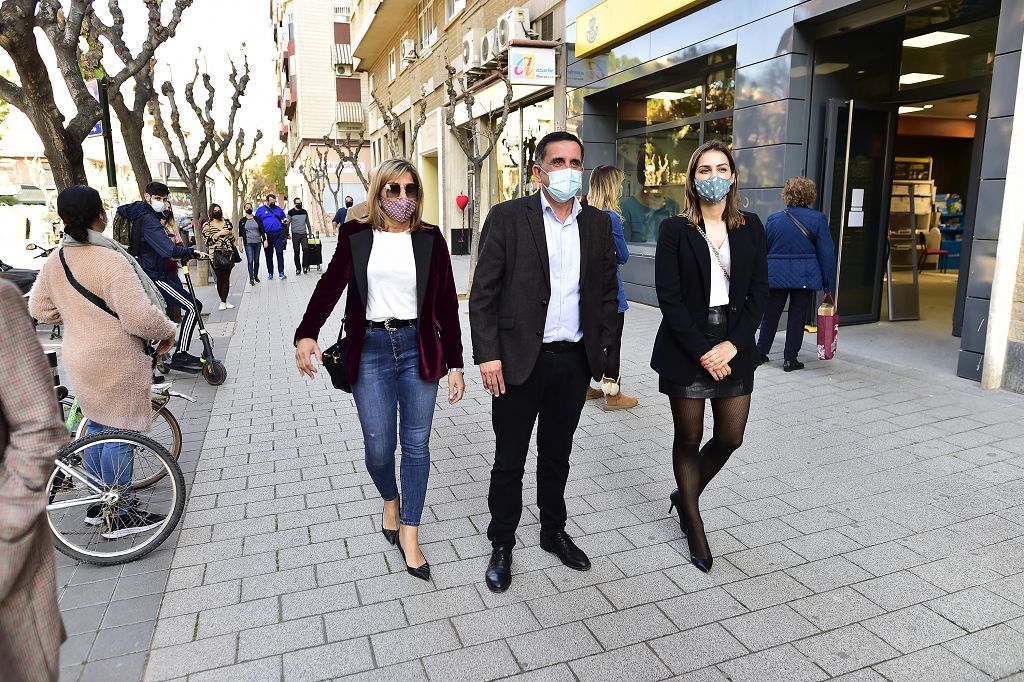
513 25
409 50
488 47
471 50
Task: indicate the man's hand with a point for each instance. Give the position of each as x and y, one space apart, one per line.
494 382
201 255
165 346
456 387
304 349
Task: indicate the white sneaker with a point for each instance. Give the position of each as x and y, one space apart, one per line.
228 305
223 306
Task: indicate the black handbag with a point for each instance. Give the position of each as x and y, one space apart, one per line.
235 256
223 259
334 362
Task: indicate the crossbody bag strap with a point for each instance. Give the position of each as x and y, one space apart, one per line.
807 233
91 297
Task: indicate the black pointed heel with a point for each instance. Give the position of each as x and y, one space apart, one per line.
673 503
421 572
390 535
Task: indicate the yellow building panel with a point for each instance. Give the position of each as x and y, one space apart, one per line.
613 21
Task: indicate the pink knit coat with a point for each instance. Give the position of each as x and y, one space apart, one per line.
105 363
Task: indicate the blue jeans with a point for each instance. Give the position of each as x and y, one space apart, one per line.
275 242
252 257
389 383
112 463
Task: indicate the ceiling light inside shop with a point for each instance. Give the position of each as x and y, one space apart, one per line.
671 96
934 38
908 110
972 116
829 67
927 106
911 78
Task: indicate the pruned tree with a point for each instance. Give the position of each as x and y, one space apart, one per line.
41 177
395 127
235 166
258 185
348 150
474 145
61 23
194 168
131 115
314 172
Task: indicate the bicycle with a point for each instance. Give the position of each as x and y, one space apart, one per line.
108 524
164 427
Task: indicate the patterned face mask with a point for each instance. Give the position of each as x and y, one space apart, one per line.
714 189
399 210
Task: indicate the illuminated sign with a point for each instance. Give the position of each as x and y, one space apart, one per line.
531 66
612 21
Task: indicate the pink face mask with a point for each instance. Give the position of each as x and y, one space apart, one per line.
399 210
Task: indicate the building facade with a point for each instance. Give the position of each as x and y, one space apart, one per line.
319 95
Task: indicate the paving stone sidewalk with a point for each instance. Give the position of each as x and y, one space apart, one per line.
872 524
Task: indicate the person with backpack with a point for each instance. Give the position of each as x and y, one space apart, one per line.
148 242
274 221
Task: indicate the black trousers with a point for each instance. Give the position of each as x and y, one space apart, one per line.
553 398
613 352
299 241
799 304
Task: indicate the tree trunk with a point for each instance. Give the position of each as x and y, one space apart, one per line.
131 131
474 223
67 161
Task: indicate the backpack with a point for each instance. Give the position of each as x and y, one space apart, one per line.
125 235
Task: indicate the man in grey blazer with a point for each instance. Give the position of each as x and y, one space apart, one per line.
542 310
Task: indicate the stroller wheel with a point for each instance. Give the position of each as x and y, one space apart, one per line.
215 373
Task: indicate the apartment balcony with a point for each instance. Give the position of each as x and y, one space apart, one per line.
343 61
375 24
287 103
284 133
350 115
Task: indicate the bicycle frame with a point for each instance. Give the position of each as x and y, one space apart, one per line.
90 482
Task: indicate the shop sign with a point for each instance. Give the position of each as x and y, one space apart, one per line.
613 21
531 65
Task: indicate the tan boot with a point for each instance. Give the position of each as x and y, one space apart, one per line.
594 393
620 401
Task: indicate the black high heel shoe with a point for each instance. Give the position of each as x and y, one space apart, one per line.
702 562
673 503
390 535
421 572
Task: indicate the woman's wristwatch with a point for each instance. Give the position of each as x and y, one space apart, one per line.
460 370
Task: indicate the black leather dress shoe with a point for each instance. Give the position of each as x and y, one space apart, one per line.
792 365
562 545
764 359
499 571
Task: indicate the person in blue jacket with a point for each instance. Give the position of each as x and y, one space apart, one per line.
801 261
153 248
605 187
274 221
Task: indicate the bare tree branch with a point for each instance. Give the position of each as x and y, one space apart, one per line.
235 166
348 152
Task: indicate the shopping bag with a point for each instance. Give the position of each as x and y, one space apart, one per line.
828 327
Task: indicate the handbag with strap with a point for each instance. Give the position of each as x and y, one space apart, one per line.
828 327
807 233
334 362
224 259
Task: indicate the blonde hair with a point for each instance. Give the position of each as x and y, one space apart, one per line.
386 172
733 217
605 188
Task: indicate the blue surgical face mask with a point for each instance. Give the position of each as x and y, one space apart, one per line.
714 189
158 206
564 184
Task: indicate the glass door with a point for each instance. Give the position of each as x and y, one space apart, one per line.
856 188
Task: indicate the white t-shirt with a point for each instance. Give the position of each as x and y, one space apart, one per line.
391 278
719 283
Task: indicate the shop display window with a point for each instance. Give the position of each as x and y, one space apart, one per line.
517 145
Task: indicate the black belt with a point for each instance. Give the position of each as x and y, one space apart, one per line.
561 346
391 324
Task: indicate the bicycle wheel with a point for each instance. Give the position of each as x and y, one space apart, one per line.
108 524
164 429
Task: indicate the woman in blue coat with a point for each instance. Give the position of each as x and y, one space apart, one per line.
801 261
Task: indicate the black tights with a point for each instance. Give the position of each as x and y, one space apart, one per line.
223 282
695 466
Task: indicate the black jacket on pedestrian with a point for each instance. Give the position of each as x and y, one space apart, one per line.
682 277
155 247
512 285
241 227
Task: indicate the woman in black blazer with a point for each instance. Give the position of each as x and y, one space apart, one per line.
711 275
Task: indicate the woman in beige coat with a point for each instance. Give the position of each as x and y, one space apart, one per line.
109 319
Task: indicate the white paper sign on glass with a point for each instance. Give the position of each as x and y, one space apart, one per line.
855 219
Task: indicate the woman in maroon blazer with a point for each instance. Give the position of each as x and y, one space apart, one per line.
402 325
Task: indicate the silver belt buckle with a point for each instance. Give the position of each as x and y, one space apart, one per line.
387 325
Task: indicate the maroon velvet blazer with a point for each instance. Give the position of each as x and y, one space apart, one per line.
438 328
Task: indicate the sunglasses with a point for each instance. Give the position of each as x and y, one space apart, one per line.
393 190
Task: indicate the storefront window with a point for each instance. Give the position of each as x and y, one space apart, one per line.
516 147
659 131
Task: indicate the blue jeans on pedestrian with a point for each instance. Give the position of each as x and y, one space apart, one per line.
275 243
252 257
112 463
389 384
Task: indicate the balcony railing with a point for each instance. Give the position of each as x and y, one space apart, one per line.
350 115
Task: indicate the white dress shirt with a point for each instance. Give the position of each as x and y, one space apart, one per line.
563 239
391 278
719 283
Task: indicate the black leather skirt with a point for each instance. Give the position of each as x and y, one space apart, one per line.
704 386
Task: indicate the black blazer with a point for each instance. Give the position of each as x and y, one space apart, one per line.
682 276
512 284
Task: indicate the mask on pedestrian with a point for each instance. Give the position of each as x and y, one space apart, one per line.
298 205
400 210
348 203
217 214
157 206
713 190
564 184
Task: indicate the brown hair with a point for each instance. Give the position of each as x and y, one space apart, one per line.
799 191
605 187
733 216
387 172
